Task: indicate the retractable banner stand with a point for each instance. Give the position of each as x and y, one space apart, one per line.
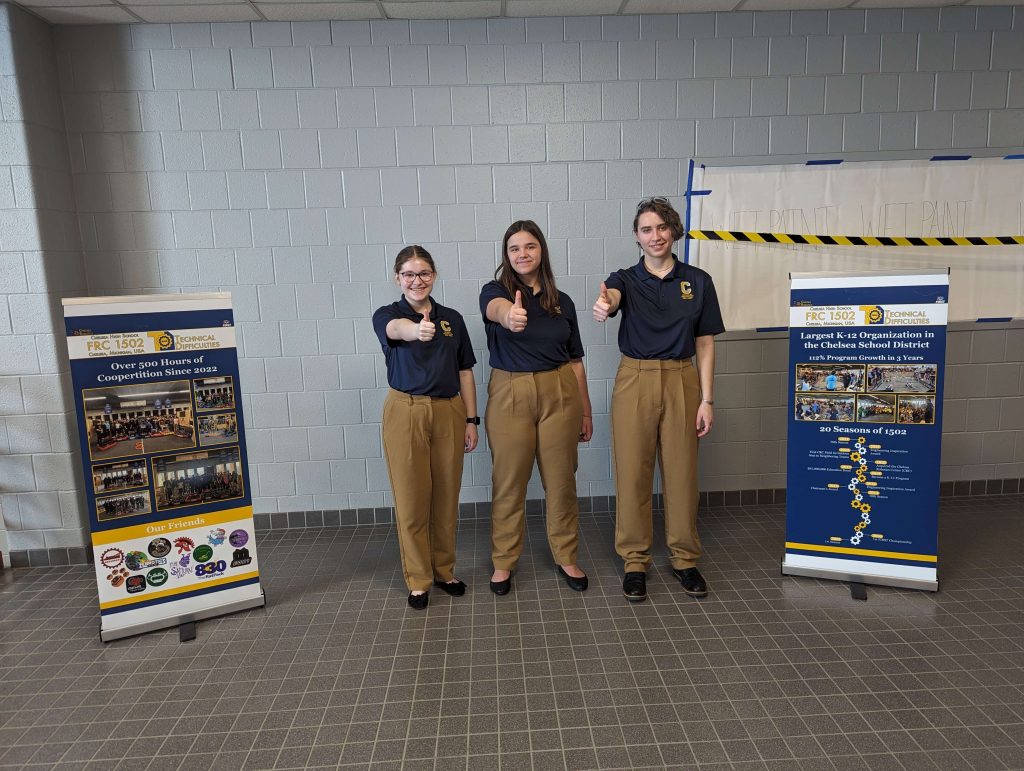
866 359
155 381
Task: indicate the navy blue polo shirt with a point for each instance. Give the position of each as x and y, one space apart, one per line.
662 316
431 368
548 341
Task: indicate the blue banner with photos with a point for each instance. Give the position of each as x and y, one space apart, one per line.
866 360
155 382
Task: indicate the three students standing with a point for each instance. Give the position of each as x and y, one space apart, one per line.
539 407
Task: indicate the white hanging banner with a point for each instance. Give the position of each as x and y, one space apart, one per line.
983 197
155 380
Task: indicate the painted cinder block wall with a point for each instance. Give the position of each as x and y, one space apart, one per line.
287 163
40 261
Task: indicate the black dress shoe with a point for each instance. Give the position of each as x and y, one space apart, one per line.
455 588
693 582
576 584
502 588
634 586
419 601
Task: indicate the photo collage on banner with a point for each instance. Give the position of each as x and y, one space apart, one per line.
155 381
866 357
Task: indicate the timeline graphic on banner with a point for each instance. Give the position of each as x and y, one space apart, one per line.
867 354
160 423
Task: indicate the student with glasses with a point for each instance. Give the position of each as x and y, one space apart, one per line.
661 404
538 406
430 421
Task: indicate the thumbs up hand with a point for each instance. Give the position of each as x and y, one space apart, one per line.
426 328
516 319
603 305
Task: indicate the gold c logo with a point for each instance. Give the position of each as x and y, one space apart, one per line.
446 329
685 291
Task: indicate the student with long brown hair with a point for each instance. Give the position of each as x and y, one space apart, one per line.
538 406
430 421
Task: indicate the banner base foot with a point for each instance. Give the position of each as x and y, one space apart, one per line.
106 635
187 631
858 591
860 578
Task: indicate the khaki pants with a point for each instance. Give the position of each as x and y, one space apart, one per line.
533 415
424 445
654 410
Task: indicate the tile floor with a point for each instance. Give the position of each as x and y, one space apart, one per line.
768 672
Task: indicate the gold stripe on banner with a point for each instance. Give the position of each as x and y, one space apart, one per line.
134 598
893 555
744 236
170 526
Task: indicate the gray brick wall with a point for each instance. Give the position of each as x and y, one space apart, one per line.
40 261
287 163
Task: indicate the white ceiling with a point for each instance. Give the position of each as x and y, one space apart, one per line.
164 11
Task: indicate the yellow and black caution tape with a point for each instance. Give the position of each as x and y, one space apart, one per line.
795 238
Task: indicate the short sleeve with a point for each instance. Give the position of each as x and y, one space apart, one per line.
575 345
381 317
617 281
492 290
465 354
710 321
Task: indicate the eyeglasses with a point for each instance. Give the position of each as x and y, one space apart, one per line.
655 199
424 276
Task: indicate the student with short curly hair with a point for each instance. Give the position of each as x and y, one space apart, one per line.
662 403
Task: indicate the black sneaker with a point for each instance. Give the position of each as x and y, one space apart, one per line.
693 582
634 586
419 601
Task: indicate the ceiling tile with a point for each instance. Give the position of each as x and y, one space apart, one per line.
909 3
800 5
183 3
319 11
681 6
520 8
62 3
444 9
105 14
185 13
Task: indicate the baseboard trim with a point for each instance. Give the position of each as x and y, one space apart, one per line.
385 515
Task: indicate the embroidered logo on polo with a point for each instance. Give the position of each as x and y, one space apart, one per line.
685 290
446 329
240 557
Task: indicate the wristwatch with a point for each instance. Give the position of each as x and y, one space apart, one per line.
473 421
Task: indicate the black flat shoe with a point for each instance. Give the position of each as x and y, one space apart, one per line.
419 601
501 588
634 586
455 588
693 582
576 584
